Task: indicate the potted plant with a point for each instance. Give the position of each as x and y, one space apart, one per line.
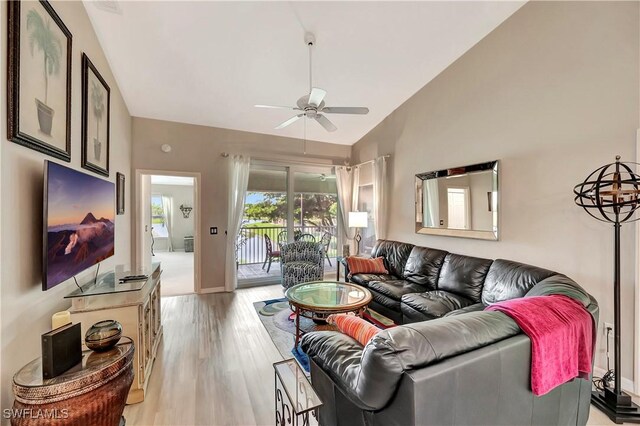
97 101
44 39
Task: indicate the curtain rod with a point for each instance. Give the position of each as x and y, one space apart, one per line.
308 163
287 162
370 161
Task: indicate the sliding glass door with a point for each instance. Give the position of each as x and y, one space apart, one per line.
315 211
285 204
264 226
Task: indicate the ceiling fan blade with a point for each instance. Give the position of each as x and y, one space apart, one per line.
276 107
290 121
346 110
316 96
324 122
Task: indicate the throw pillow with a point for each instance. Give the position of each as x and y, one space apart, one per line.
365 265
354 326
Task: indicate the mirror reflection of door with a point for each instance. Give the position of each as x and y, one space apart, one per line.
458 208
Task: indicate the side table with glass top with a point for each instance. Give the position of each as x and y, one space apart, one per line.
295 397
317 300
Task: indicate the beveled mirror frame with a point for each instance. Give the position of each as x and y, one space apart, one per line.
462 233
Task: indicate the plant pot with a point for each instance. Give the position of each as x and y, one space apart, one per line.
45 117
97 148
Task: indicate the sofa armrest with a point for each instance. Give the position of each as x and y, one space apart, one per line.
560 284
341 357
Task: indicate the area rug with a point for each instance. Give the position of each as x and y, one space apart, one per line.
274 315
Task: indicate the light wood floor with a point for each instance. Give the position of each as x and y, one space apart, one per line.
177 272
214 366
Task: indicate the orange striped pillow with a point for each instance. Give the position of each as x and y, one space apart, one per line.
365 265
354 326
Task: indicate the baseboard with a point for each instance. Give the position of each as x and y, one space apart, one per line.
212 290
627 384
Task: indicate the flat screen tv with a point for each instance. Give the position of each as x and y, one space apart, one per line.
79 226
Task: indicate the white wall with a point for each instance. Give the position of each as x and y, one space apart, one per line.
553 94
181 227
25 309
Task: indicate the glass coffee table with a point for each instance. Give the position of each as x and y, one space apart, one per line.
317 300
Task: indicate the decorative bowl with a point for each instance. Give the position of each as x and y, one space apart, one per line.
103 335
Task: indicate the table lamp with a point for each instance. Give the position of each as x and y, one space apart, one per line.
358 220
612 194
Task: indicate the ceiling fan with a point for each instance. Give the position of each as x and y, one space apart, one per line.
312 105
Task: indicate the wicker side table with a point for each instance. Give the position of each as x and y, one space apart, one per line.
93 393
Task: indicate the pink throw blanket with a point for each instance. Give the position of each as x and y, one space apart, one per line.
561 333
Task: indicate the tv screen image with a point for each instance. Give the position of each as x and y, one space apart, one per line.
79 221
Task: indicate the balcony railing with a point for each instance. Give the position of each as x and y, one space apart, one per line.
252 248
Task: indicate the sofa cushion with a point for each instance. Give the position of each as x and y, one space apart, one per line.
464 275
395 254
364 279
434 304
395 289
365 265
471 308
507 280
423 266
356 327
390 306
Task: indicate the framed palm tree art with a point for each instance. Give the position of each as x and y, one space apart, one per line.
95 119
39 79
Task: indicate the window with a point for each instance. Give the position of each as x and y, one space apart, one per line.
158 222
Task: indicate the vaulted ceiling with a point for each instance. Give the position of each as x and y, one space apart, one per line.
208 63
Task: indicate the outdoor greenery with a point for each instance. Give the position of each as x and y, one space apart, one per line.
309 209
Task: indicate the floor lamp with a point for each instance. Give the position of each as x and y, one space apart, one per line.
358 220
612 194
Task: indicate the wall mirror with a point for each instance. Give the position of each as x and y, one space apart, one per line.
459 202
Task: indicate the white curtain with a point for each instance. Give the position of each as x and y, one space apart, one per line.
167 208
238 179
347 182
432 198
379 197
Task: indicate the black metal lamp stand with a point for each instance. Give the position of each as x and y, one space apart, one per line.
613 193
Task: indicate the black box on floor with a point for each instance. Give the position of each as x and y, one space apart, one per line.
61 350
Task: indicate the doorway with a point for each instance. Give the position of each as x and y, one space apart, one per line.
168 228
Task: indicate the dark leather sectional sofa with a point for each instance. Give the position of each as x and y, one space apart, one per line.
451 362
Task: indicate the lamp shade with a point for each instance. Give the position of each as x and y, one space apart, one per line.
357 219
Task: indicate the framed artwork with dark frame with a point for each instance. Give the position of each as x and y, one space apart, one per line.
96 116
120 191
39 79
